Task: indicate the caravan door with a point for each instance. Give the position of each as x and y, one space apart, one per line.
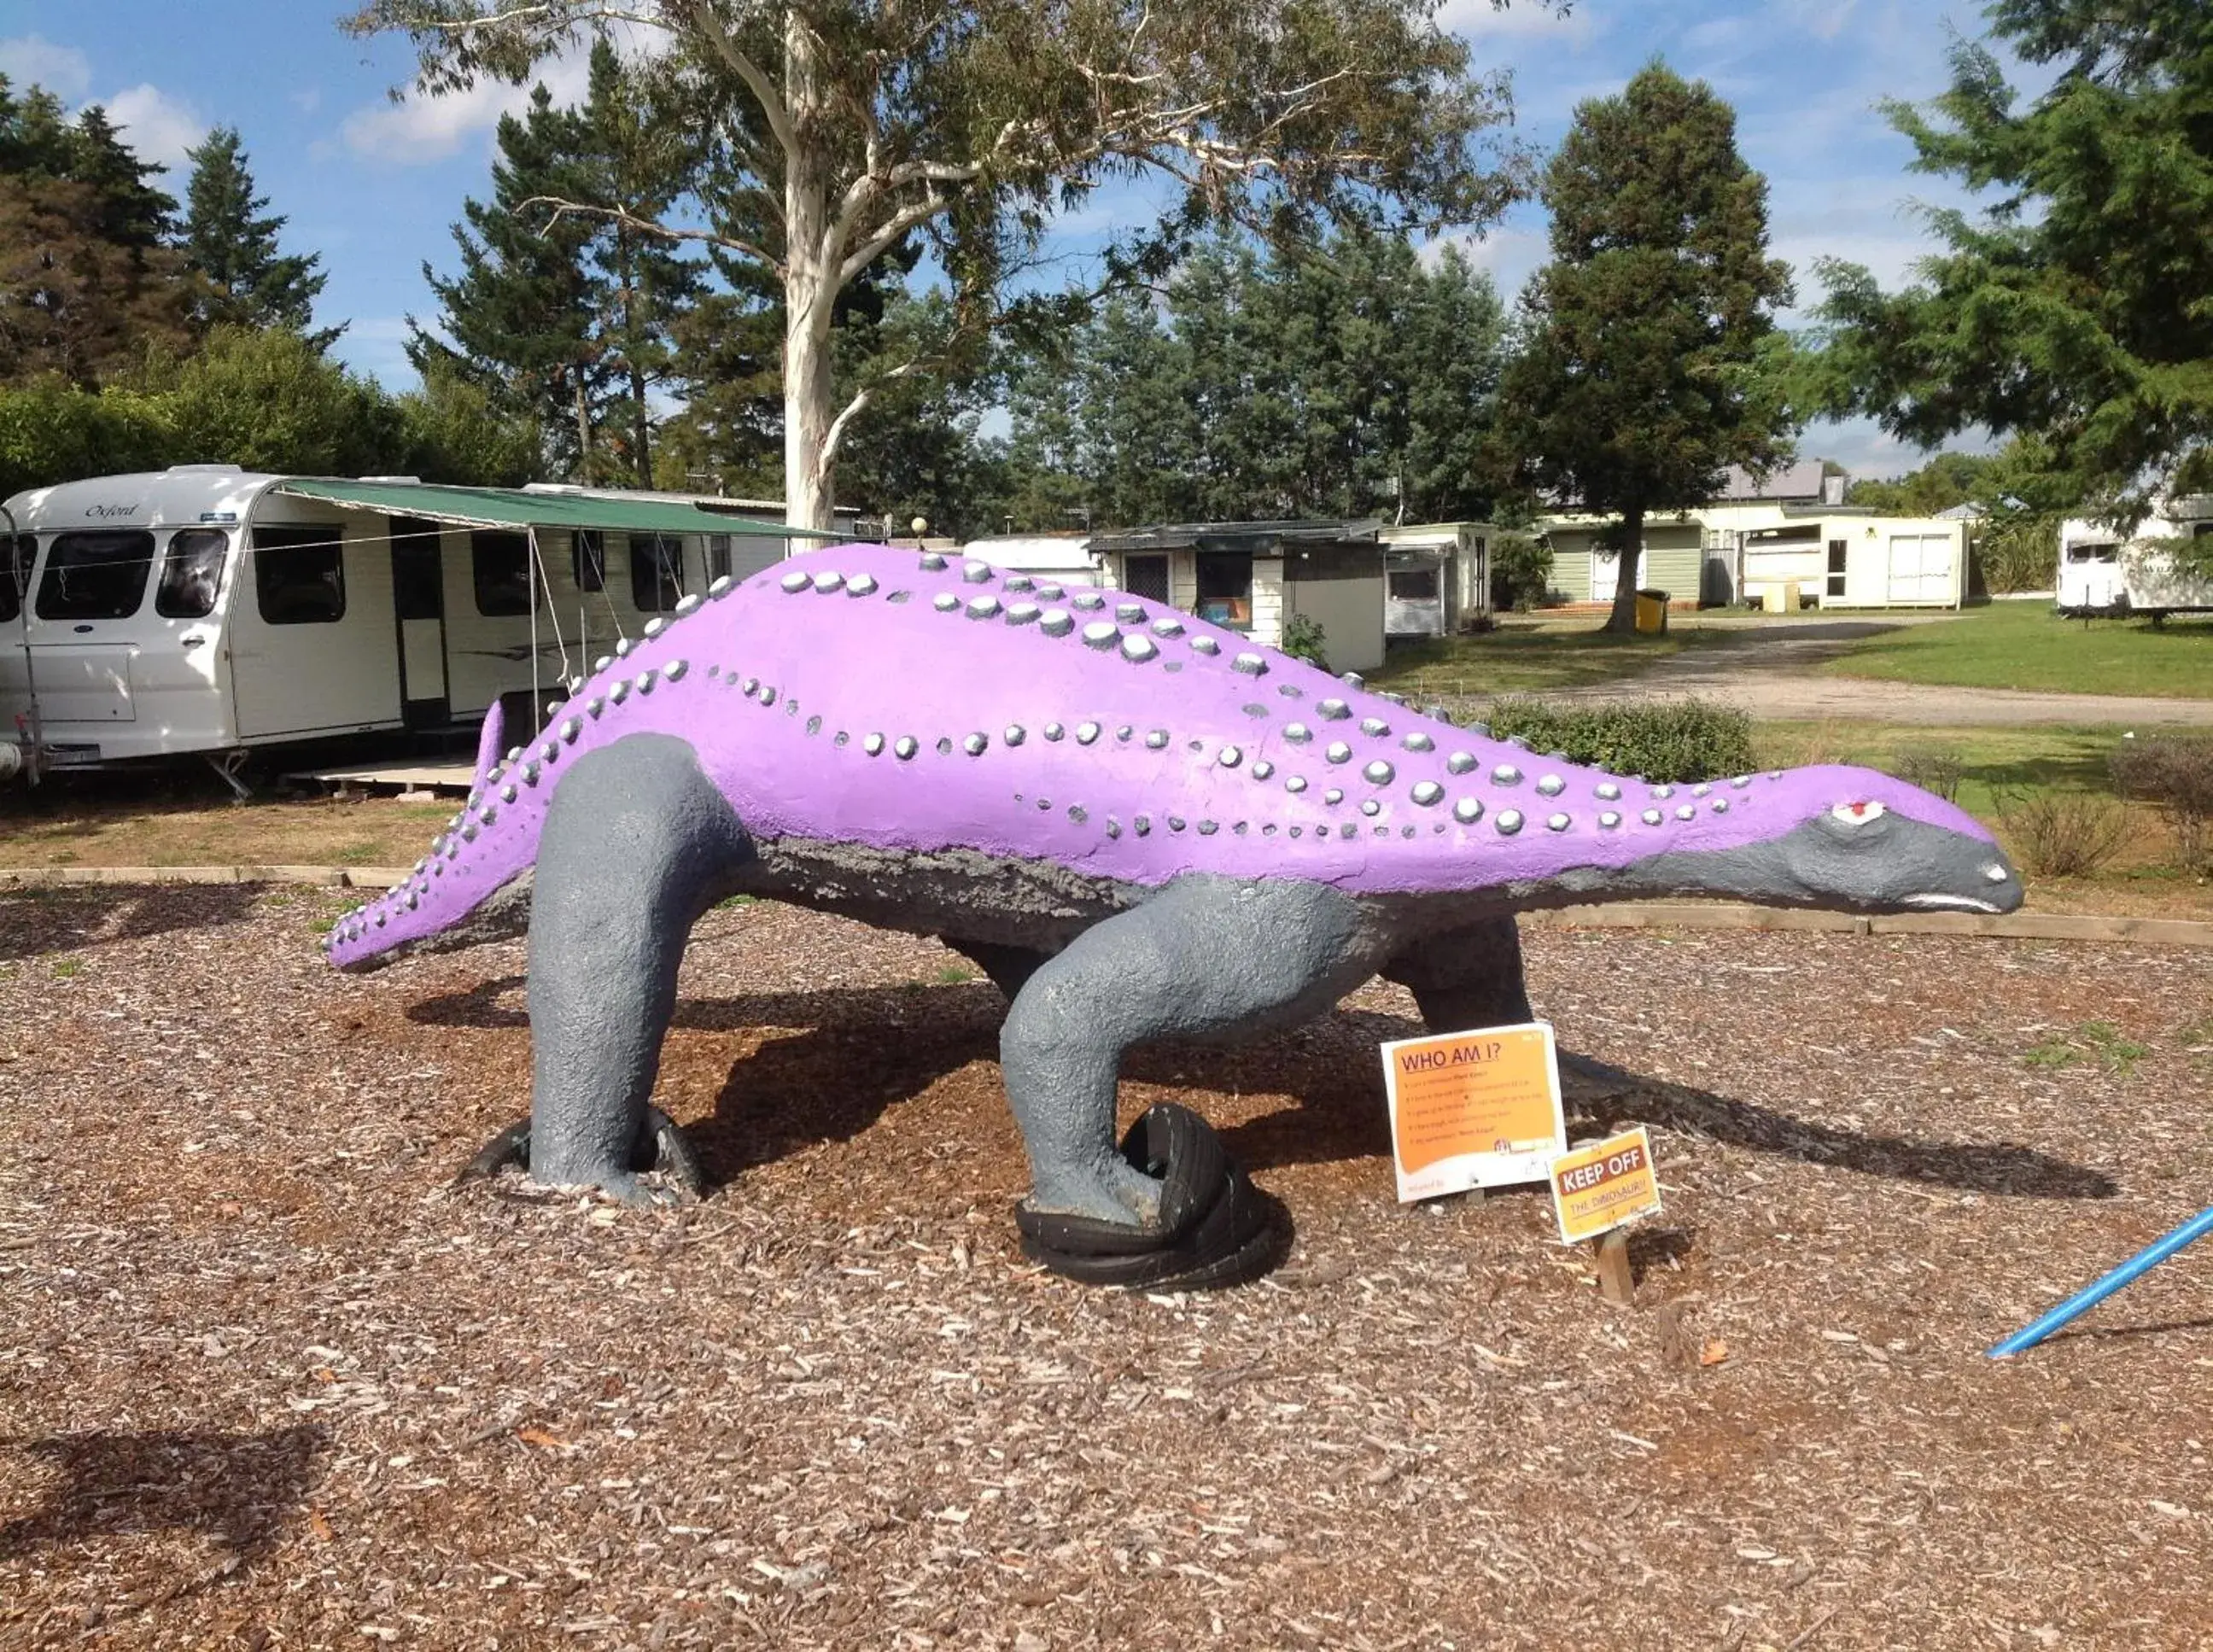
418 603
311 632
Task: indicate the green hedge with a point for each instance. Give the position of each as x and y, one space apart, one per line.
1666 740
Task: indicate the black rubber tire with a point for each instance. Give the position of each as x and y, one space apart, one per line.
511 1146
661 1146
1215 1231
1175 1147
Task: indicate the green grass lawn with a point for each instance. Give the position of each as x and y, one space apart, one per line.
1992 761
1523 658
2023 645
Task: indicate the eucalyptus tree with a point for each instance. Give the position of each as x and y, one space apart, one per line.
838 130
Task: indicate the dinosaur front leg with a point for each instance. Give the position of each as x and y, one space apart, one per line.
1467 977
637 842
1207 955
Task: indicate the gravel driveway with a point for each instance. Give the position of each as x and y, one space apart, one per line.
264 1380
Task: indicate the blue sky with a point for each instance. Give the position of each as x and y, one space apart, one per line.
374 186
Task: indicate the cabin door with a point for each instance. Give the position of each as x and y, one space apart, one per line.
419 601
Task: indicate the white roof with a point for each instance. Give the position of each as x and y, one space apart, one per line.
185 494
1034 552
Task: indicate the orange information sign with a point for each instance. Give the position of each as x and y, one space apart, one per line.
1597 1188
1478 1109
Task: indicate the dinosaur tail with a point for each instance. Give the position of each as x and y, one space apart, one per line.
470 887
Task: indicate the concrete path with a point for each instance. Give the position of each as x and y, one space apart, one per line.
1769 674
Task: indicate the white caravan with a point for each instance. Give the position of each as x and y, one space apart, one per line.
204 610
2105 571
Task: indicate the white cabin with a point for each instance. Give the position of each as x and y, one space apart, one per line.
206 610
2103 570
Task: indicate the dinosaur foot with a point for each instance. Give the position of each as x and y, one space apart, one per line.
661 1148
1212 1230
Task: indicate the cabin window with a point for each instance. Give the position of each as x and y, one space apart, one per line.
718 557
1225 588
1146 576
656 572
191 573
96 575
588 559
1840 552
299 574
2090 551
16 556
499 567
1414 585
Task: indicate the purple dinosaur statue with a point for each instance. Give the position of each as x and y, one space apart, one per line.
1137 823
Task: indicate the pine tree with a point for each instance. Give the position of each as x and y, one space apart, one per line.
1648 365
2075 312
228 239
87 286
520 314
635 161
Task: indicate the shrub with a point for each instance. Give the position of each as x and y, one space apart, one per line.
2178 775
1668 741
1303 640
2062 834
1522 570
1932 768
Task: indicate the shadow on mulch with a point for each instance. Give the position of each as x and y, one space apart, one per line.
36 922
868 1048
2000 1168
239 1488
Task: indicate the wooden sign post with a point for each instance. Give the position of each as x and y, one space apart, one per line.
1598 1188
1478 1109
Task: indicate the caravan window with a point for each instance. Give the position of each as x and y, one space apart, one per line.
96 575
299 574
191 573
2093 551
499 565
656 571
588 559
15 558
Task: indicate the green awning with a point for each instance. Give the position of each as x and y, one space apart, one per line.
518 508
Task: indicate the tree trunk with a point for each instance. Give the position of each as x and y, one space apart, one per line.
641 428
811 259
1624 617
583 430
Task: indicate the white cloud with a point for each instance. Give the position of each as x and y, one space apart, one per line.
419 130
1524 20
156 126
1507 256
29 60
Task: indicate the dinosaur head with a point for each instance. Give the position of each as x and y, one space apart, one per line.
1854 838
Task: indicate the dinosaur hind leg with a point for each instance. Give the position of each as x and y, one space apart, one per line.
1009 967
1205 955
1467 977
637 842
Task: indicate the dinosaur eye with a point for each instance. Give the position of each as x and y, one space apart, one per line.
1857 813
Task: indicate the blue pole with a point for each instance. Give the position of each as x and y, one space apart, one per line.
2127 1274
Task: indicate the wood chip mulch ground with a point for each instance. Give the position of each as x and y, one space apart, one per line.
266 1380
